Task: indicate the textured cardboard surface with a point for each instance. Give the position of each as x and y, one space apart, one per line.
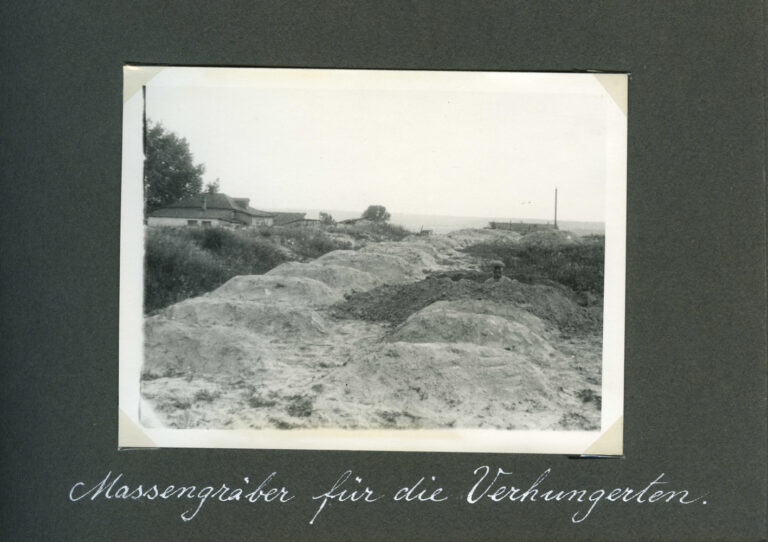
695 392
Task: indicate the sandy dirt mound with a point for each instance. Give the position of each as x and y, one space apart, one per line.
301 290
443 325
392 385
511 313
441 243
174 348
394 303
345 238
404 385
390 269
280 321
342 278
423 244
464 238
416 256
555 304
451 350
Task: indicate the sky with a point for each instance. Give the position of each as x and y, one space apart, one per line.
459 144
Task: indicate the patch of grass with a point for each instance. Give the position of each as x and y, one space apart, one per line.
256 401
168 372
207 396
578 266
173 404
391 417
300 406
281 424
587 395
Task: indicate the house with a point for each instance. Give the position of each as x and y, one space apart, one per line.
210 210
295 220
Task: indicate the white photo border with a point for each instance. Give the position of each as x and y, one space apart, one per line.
613 90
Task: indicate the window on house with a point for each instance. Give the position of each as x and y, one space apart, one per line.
206 223
191 222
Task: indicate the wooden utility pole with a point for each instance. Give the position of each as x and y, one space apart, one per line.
555 208
144 120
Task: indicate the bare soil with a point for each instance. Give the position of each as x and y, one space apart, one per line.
395 335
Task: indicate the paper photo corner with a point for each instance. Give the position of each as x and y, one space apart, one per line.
134 77
130 434
610 442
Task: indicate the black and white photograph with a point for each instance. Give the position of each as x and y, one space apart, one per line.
368 259
376 271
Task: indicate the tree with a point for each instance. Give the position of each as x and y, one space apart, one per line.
169 171
376 213
326 219
214 187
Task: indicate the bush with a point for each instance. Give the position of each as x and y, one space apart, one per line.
307 243
185 262
372 231
175 268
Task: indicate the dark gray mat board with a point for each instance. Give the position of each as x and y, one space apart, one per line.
696 292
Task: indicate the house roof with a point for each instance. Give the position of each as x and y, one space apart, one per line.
211 202
282 219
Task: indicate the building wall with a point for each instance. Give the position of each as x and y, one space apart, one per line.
261 221
180 222
215 221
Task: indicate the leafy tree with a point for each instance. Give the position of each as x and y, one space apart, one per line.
169 171
326 219
214 187
376 213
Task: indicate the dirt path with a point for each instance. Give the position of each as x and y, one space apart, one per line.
288 350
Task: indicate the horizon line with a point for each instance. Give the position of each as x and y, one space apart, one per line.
495 218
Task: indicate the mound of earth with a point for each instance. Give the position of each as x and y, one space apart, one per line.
391 269
449 351
441 243
417 256
443 325
281 321
406 385
465 238
394 303
394 385
302 290
423 243
560 306
343 238
507 311
176 348
342 278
